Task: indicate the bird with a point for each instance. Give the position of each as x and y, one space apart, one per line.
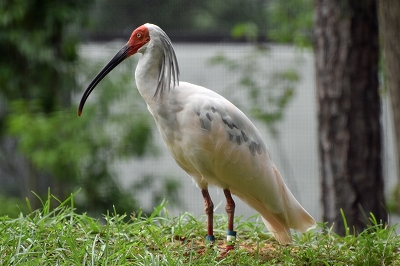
210 139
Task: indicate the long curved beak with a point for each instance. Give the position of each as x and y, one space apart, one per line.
118 58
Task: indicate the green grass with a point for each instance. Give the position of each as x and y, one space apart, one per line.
63 237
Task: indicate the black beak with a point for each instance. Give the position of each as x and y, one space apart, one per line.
118 58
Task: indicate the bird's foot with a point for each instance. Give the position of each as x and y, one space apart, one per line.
210 238
231 238
230 242
227 249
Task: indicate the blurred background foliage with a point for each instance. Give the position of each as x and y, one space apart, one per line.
44 144
206 18
285 21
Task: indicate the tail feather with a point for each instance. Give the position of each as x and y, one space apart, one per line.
293 215
279 224
296 216
275 223
280 231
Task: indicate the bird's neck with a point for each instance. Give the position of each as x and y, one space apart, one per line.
147 72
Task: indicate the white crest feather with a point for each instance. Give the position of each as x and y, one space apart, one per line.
169 69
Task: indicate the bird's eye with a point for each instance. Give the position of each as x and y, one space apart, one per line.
138 35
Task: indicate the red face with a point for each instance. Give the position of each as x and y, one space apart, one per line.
139 37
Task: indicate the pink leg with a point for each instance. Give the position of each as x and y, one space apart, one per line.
209 209
230 210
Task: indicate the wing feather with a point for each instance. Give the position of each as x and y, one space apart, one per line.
214 142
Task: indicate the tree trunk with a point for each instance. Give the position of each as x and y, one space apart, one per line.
346 59
389 25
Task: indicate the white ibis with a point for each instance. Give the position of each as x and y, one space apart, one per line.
209 138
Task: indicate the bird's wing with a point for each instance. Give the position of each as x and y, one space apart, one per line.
216 143
224 147
242 159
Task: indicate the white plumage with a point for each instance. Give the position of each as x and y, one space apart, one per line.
209 137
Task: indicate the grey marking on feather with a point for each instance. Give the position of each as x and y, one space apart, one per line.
252 148
258 148
255 147
205 119
238 140
238 137
230 136
245 138
205 123
227 121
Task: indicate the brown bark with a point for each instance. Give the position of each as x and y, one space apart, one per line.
346 59
389 26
